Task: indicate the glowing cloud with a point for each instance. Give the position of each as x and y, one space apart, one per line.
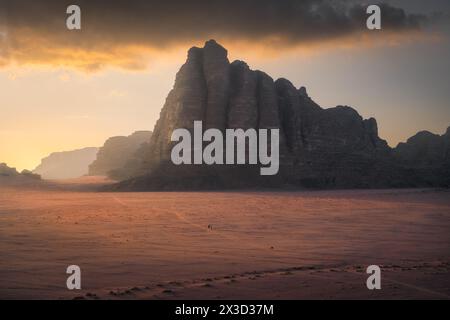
128 34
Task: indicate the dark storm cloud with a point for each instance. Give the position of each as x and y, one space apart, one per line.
108 25
169 20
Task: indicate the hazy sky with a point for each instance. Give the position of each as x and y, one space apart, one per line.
62 90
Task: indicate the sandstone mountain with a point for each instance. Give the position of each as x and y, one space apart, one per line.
67 164
319 148
11 175
119 158
426 156
6 171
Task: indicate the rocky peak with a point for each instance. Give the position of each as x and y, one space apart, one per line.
319 147
11 175
7 171
194 55
116 152
283 84
302 92
213 49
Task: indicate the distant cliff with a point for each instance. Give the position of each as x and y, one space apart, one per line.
119 157
67 164
426 157
11 175
319 148
6 171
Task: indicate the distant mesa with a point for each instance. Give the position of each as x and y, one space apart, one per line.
29 174
11 175
6 171
120 157
426 156
319 148
67 164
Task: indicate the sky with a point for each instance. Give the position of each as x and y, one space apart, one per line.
62 90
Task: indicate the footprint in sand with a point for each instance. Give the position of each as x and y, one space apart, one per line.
167 291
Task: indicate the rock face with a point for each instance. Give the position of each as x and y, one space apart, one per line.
8 174
319 148
67 164
426 156
6 171
119 158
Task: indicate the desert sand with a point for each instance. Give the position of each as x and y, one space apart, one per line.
261 245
